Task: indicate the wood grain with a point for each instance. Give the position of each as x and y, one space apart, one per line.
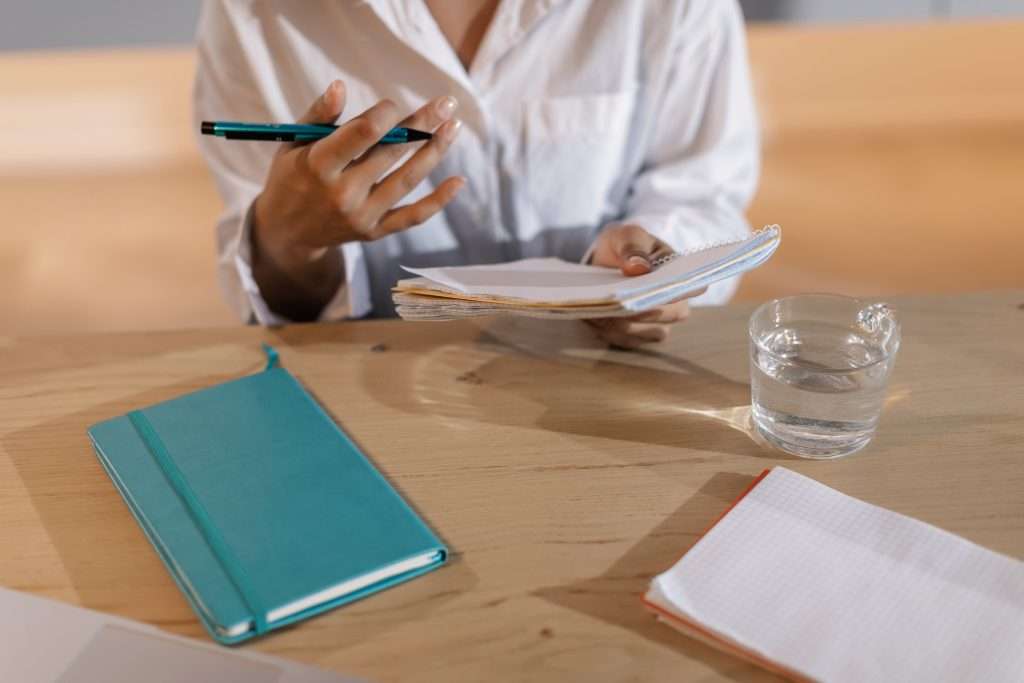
563 475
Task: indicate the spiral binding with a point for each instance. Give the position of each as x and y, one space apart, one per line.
662 260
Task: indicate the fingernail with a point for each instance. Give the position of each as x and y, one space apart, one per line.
446 106
638 261
457 186
451 130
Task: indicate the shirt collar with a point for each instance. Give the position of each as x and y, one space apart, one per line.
411 22
513 20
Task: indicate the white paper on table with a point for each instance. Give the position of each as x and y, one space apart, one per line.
45 641
831 588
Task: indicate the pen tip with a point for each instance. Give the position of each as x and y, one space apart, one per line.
206 128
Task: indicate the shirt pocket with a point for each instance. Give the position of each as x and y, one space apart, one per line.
573 154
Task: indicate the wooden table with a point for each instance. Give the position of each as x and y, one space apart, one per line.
563 475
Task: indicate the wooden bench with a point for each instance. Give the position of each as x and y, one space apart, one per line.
892 158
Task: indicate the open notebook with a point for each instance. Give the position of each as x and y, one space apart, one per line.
816 585
552 288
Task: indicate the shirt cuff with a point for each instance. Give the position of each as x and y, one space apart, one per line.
350 300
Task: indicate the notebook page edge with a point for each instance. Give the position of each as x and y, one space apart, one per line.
708 636
597 293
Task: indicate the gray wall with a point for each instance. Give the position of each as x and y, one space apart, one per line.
50 24
878 10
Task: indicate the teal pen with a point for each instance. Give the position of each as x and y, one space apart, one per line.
297 132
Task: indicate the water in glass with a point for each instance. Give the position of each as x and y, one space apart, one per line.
817 386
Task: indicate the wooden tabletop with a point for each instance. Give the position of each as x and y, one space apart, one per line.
563 475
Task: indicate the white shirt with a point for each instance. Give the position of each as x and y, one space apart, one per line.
576 114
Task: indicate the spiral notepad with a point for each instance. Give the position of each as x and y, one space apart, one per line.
552 288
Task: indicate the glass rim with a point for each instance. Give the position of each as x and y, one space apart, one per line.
799 363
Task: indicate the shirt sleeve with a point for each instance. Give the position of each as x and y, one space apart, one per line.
233 81
702 153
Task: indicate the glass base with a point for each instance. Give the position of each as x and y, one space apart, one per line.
805 442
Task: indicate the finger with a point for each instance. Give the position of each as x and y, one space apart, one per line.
328 107
613 337
405 217
325 110
669 313
632 247
329 157
654 332
624 340
403 180
382 157
619 327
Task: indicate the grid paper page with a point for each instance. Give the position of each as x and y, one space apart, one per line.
840 590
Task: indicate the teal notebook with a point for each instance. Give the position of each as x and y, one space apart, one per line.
262 509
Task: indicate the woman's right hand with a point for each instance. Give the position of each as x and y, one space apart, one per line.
321 194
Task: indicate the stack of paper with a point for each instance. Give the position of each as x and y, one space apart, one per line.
816 585
552 288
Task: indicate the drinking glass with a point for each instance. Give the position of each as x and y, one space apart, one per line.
819 368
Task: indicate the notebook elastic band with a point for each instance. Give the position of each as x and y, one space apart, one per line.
201 518
271 356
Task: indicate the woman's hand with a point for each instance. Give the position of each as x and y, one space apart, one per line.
633 250
334 190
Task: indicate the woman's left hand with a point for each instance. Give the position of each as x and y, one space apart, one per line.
633 250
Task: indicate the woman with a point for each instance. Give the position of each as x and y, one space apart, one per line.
598 129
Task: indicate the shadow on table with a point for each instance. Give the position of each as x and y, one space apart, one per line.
113 568
614 597
557 377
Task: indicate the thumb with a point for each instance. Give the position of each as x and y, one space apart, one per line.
633 250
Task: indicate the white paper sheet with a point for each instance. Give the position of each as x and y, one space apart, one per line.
553 281
45 641
840 590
